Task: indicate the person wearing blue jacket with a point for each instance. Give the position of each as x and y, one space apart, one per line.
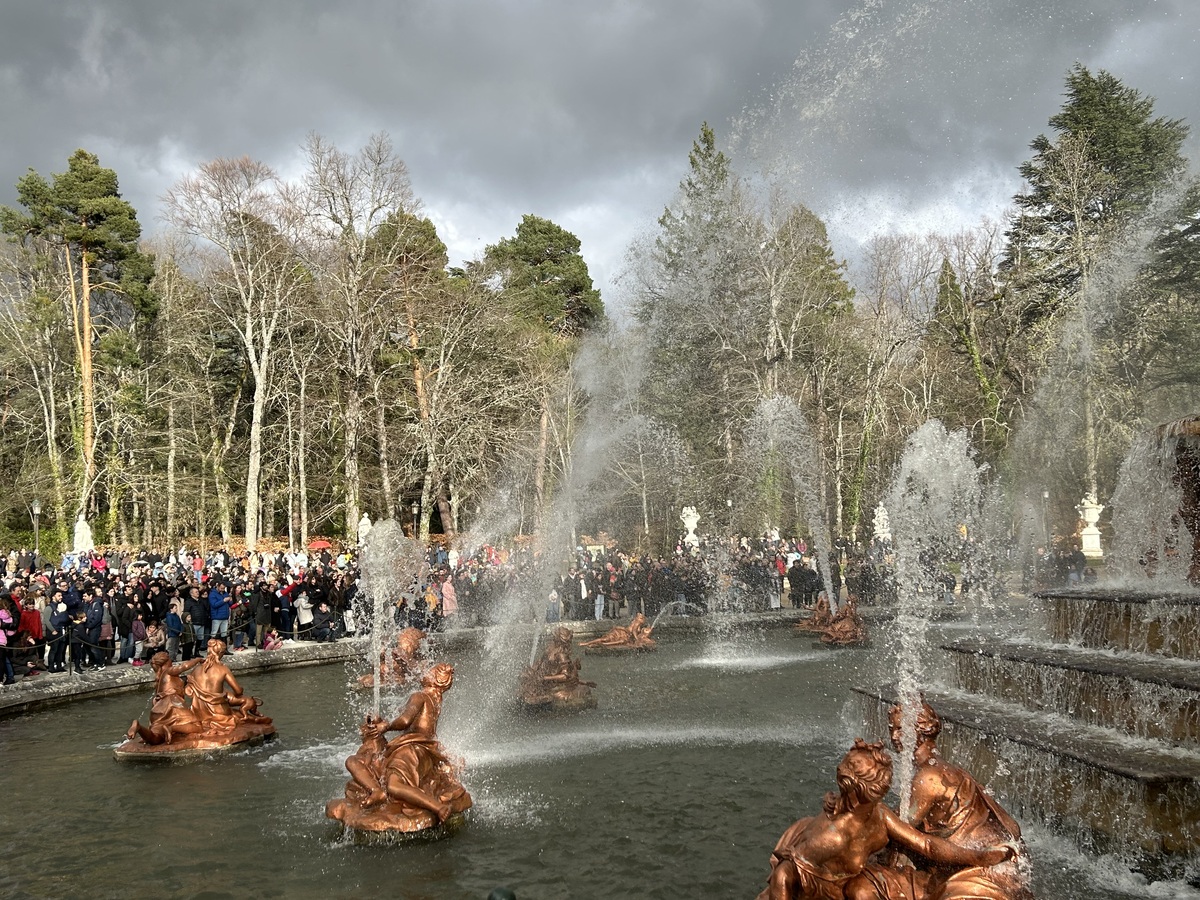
174 631
219 603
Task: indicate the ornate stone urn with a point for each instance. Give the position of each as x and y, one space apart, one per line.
1089 510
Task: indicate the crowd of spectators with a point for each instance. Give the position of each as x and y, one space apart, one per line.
99 609
119 607
1062 566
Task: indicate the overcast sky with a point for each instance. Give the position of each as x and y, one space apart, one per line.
880 115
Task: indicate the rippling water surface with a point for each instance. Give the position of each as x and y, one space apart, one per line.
677 785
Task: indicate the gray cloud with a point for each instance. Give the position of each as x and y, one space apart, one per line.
897 115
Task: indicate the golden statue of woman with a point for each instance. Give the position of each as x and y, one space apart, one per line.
822 857
949 803
217 698
408 783
634 636
553 681
170 715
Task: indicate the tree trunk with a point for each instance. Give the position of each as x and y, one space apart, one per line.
445 513
425 414
49 405
838 473
224 501
293 499
352 425
385 469
147 516
539 473
421 526
115 527
254 460
172 450
202 518
301 453
267 531
87 382
220 452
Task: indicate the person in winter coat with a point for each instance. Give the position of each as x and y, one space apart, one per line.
304 615
128 608
322 626
59 629
174 632
79 635
8 633
95 623
196 615
219 605
263 606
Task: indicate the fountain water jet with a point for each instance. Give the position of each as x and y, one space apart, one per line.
1088 724
392 567
934 503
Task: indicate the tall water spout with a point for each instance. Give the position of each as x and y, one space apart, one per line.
392 567
935 503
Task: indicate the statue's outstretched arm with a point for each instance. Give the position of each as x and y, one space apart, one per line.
940 851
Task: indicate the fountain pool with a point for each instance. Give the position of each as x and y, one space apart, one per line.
678 785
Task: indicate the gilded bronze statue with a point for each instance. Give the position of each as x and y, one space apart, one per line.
847 628
170 716
218 716
948 803
828 856
623 638
820 618
401 664
409 784
217 698
552 683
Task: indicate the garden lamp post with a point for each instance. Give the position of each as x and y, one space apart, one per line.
1045 531
37 515
416 509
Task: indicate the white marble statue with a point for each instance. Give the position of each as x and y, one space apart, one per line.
883 525
83 537
364 528
690 519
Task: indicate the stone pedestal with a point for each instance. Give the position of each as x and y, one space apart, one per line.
1089 510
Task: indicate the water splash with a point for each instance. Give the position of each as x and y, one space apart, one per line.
393 568
935 503
1147 533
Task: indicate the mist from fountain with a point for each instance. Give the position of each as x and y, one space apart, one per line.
392 567
779 434
1144 524
592 471
934 503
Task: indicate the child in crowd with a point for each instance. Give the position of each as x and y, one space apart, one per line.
156 640
174 631
138 632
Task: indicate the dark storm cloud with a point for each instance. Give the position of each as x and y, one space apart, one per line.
914 116
900 114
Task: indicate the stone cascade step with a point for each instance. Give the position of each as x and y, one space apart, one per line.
1136 799
1161 624
1141 695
